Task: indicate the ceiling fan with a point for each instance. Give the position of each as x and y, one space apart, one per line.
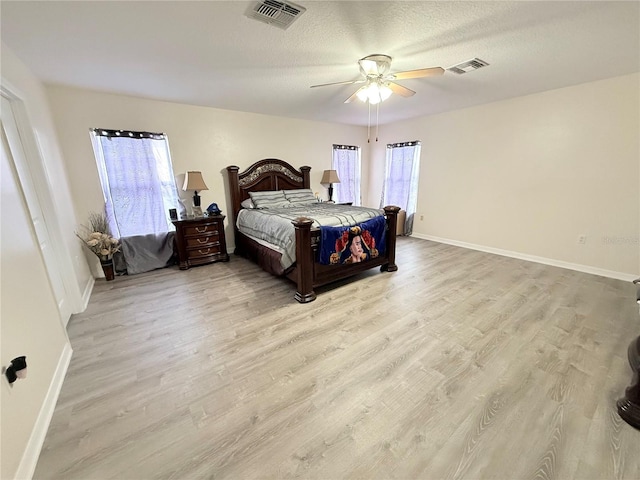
379 83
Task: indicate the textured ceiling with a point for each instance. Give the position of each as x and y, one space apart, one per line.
209 53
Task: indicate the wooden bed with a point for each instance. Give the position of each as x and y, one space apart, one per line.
273 174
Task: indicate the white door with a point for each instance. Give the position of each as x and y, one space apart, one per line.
14 151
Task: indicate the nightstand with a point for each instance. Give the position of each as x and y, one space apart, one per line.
200 241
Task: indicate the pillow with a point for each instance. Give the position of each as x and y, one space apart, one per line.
272 199
302 196
247 203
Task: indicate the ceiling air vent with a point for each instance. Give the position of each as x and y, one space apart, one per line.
278 14
468 66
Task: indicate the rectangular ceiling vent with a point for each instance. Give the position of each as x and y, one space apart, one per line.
468 66
273 12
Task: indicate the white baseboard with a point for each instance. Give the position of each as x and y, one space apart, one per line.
86 295
31 454
627 277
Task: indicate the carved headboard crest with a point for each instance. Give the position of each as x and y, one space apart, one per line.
267 174
269 167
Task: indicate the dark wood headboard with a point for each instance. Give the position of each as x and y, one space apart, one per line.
264 175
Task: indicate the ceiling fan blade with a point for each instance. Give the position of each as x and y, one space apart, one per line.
400 90
338 83
354 96
421 73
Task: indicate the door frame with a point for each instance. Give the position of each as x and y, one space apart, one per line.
37 188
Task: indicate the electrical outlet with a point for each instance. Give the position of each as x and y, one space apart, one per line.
421 217
582 239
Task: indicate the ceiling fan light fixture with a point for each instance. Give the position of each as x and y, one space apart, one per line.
374 92
374 100
363 94
385 92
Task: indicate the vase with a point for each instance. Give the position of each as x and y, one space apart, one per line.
107 268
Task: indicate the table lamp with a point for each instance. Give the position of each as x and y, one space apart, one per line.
329 177
194 181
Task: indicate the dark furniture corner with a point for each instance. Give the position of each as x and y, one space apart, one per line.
629 405
200 241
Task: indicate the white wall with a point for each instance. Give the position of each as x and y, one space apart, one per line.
200 138
531 174
30 320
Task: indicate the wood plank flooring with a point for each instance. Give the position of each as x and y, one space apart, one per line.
460 365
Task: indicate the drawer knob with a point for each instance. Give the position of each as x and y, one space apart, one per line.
204 229
206 240
204 253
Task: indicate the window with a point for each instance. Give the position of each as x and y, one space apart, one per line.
400 186
137 181
346 161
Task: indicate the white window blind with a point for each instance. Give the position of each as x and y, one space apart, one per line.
137 181
400 186
346 162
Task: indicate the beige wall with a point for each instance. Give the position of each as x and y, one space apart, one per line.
30 322
526 175
532 174
200 138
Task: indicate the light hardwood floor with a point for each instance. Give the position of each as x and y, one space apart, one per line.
460 365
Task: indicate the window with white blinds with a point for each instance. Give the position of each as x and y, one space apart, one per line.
346 162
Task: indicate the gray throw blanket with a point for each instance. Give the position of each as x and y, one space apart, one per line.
144 253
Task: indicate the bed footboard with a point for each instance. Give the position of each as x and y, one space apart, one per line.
309 274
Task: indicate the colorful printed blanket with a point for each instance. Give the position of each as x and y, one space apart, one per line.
274 226
344 245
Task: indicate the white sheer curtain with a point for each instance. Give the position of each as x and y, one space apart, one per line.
346 161
400 186
137 181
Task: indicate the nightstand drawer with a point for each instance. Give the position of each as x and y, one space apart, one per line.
203 240
203 229
200 252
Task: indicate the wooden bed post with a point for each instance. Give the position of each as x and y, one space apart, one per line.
306 176
392 222
304 260
234 190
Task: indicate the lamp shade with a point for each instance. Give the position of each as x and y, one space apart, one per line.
194 181
329 176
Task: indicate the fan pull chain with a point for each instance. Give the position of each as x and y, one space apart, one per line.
369 124
377 119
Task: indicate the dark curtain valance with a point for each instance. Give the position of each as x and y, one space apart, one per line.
344 147
105 132
403 144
